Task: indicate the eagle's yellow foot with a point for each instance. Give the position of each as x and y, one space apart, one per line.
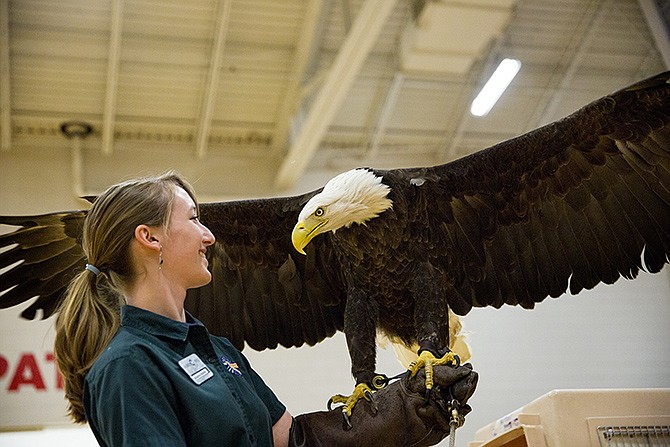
427 360
362 391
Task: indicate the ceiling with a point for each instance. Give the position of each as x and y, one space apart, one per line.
265 97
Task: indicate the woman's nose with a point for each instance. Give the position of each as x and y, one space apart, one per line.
208 238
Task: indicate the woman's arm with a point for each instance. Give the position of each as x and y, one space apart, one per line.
281 430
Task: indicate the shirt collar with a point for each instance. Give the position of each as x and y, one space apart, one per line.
155 324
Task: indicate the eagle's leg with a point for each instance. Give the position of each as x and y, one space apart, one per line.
431 320
360 328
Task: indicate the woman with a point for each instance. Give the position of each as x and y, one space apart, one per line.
146 372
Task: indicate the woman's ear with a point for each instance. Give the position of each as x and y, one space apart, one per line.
148 237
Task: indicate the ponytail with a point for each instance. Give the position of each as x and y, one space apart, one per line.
86 323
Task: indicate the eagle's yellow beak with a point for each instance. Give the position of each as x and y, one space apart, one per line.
303 233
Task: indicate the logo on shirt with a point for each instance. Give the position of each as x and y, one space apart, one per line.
231 367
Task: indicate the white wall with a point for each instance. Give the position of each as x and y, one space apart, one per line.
611 337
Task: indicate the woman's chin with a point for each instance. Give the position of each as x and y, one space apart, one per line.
203 281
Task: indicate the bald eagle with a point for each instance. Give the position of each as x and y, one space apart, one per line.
577 202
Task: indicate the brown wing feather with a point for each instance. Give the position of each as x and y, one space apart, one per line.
263 292
44 254
578 202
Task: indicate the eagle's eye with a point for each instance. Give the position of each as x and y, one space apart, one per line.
318 212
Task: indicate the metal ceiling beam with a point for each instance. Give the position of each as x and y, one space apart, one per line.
346 15
111 90
575 46
447 151
292 96
658 29
313 84
346 66
5 91
575 62
213 74
385 115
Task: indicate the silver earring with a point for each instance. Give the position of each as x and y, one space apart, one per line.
160 258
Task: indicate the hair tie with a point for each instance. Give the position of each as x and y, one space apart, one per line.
94 269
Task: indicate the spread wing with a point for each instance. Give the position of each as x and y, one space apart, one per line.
262 292
564 207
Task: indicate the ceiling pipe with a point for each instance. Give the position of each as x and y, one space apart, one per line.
213 75
76 131
109 113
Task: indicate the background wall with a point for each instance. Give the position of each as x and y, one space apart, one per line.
611 337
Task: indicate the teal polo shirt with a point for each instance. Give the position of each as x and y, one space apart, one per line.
161 382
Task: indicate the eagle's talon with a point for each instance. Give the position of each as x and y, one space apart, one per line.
347 421
362 391
337 399
370 397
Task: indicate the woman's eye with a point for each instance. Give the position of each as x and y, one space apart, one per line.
318 212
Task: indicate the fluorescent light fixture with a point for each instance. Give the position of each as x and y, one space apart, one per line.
495 87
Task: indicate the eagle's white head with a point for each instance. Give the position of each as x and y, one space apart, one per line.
353 197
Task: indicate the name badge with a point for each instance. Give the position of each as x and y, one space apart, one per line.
195 368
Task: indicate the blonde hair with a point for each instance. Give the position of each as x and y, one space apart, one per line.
90 313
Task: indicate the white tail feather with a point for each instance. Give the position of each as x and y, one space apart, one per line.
407 354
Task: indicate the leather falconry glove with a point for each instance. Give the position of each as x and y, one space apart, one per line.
403 417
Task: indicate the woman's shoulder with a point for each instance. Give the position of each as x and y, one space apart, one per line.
226 345
125 347
230 353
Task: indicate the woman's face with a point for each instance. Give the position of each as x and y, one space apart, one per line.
187 241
